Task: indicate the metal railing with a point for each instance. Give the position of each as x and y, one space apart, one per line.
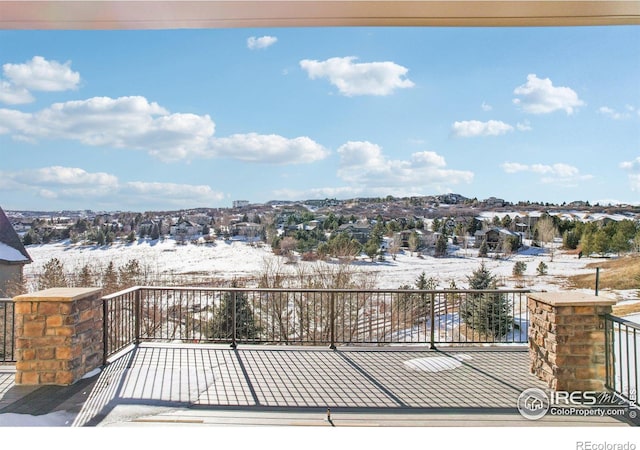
314 316
622 352
7 330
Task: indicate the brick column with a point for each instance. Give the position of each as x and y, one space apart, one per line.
58 335
567 339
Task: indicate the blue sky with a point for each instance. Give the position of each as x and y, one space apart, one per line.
171 119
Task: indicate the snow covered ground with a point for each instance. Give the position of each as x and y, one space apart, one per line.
235 259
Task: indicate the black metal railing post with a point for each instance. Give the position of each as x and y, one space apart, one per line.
432 317
138 314
105 331
608 340
332 321
234 318
8 330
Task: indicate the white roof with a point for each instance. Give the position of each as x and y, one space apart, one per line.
10 254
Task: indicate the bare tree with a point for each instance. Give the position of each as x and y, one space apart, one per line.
547 232
394 248
414 242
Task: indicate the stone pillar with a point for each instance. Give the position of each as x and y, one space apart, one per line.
567 339
58 335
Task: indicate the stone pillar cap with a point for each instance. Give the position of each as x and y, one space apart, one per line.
571 298
58 294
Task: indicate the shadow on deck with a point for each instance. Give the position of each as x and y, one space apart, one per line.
188 384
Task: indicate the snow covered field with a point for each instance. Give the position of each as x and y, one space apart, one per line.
235 259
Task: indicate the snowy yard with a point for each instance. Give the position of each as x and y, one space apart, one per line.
228 260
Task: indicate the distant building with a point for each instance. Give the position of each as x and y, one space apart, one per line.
13 255
493 201
359 231
495 236
240 203
185 229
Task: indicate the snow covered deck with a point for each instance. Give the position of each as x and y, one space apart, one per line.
251 385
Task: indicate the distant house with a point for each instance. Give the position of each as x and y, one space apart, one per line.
248 230
13 255
146 227
359 231
185 229
495 236
426 239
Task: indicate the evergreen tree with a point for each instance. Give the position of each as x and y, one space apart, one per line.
110 279
100 238
155 232
483 251
85 277
130 274
506 222
586 243
131 237
371 249
52 275
601 242
436 225
28 238
570 240
620 243
519 268
486 313
542 268
222 324
423 283
441 246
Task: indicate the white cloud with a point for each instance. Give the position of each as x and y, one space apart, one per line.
255 43
351 79
559 173
63 182
473 128
539 96
633 167
14 95
514 167
364 166
58 175
172 193
124 122
272 149
634 181
524 126
42 75
616 115
137 124
323 192
72 183
486 107
38 74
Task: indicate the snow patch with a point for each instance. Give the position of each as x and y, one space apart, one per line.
93 373
54 419
436 363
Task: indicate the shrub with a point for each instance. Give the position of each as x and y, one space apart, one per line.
519 268
542 268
